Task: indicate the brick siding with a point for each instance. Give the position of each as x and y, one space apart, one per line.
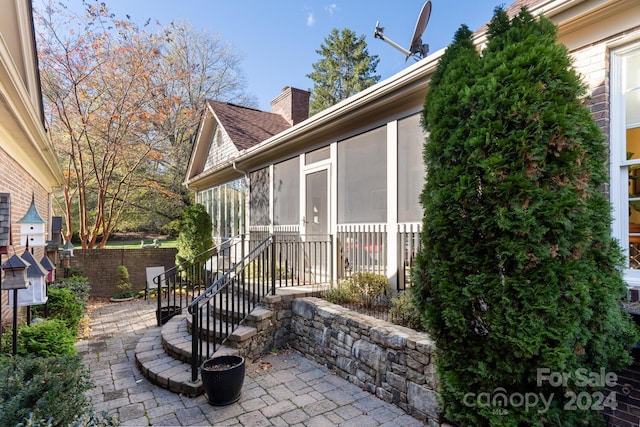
16 181
100 266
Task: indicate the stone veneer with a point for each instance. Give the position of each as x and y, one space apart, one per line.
393 362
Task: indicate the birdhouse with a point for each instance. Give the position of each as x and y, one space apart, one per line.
14 274
56 230
5 222
32 226
51 269
36 275
67 250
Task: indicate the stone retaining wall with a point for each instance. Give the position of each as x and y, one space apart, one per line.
274 329
390 361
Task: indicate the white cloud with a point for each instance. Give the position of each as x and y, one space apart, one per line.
332 8
310 20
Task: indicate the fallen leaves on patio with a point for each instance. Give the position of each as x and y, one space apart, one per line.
263 366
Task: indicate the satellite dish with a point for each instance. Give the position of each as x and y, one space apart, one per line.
421 24
417 49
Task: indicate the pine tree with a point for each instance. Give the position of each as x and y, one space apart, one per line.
345 69
517 270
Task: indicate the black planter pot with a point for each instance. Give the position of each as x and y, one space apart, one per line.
222 378
166 313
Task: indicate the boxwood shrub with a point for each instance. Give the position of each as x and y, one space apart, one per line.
46 391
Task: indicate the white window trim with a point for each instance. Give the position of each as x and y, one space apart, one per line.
619 165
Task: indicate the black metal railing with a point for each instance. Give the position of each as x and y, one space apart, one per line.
301 259
269 264
219 310
180 285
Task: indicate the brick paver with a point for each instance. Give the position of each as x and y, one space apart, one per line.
279 390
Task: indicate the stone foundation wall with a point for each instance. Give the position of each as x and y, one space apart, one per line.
390 361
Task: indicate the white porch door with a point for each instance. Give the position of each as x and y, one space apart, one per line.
316 213
315 225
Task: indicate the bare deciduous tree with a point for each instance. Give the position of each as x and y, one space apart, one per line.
122 104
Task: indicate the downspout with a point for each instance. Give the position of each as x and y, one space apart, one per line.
246 176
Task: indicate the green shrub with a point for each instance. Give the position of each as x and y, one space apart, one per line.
517 270
342 293
65 305
41 391
195 233
7 341
405 312
47 338
75 271
124 283
366 289
370 287
79 285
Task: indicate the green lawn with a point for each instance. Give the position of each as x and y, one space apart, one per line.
135 243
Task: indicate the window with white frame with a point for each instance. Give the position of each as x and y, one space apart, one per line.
286 192
411 168
259 197
625 155
362 178
226 205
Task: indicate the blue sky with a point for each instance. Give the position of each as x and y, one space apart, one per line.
278 39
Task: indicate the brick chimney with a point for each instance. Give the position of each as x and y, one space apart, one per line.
292 104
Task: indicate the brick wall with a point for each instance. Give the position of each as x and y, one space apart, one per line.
15 180
627 394
592 63
100 266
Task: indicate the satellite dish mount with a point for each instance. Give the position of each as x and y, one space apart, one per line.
417 49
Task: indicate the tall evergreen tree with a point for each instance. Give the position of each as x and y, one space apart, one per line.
345 69
517 274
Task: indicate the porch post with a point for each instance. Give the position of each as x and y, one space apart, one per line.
333 216
392 204
273 264
271 193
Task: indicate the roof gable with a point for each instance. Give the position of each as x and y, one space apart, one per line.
247 127
226 129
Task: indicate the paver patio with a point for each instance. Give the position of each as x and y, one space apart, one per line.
282 389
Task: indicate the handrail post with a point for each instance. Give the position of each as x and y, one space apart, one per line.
159 296
242 243
195 336
273 264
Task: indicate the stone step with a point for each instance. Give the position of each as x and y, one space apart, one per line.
258 319
162 369
226 306
164 355
176 337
